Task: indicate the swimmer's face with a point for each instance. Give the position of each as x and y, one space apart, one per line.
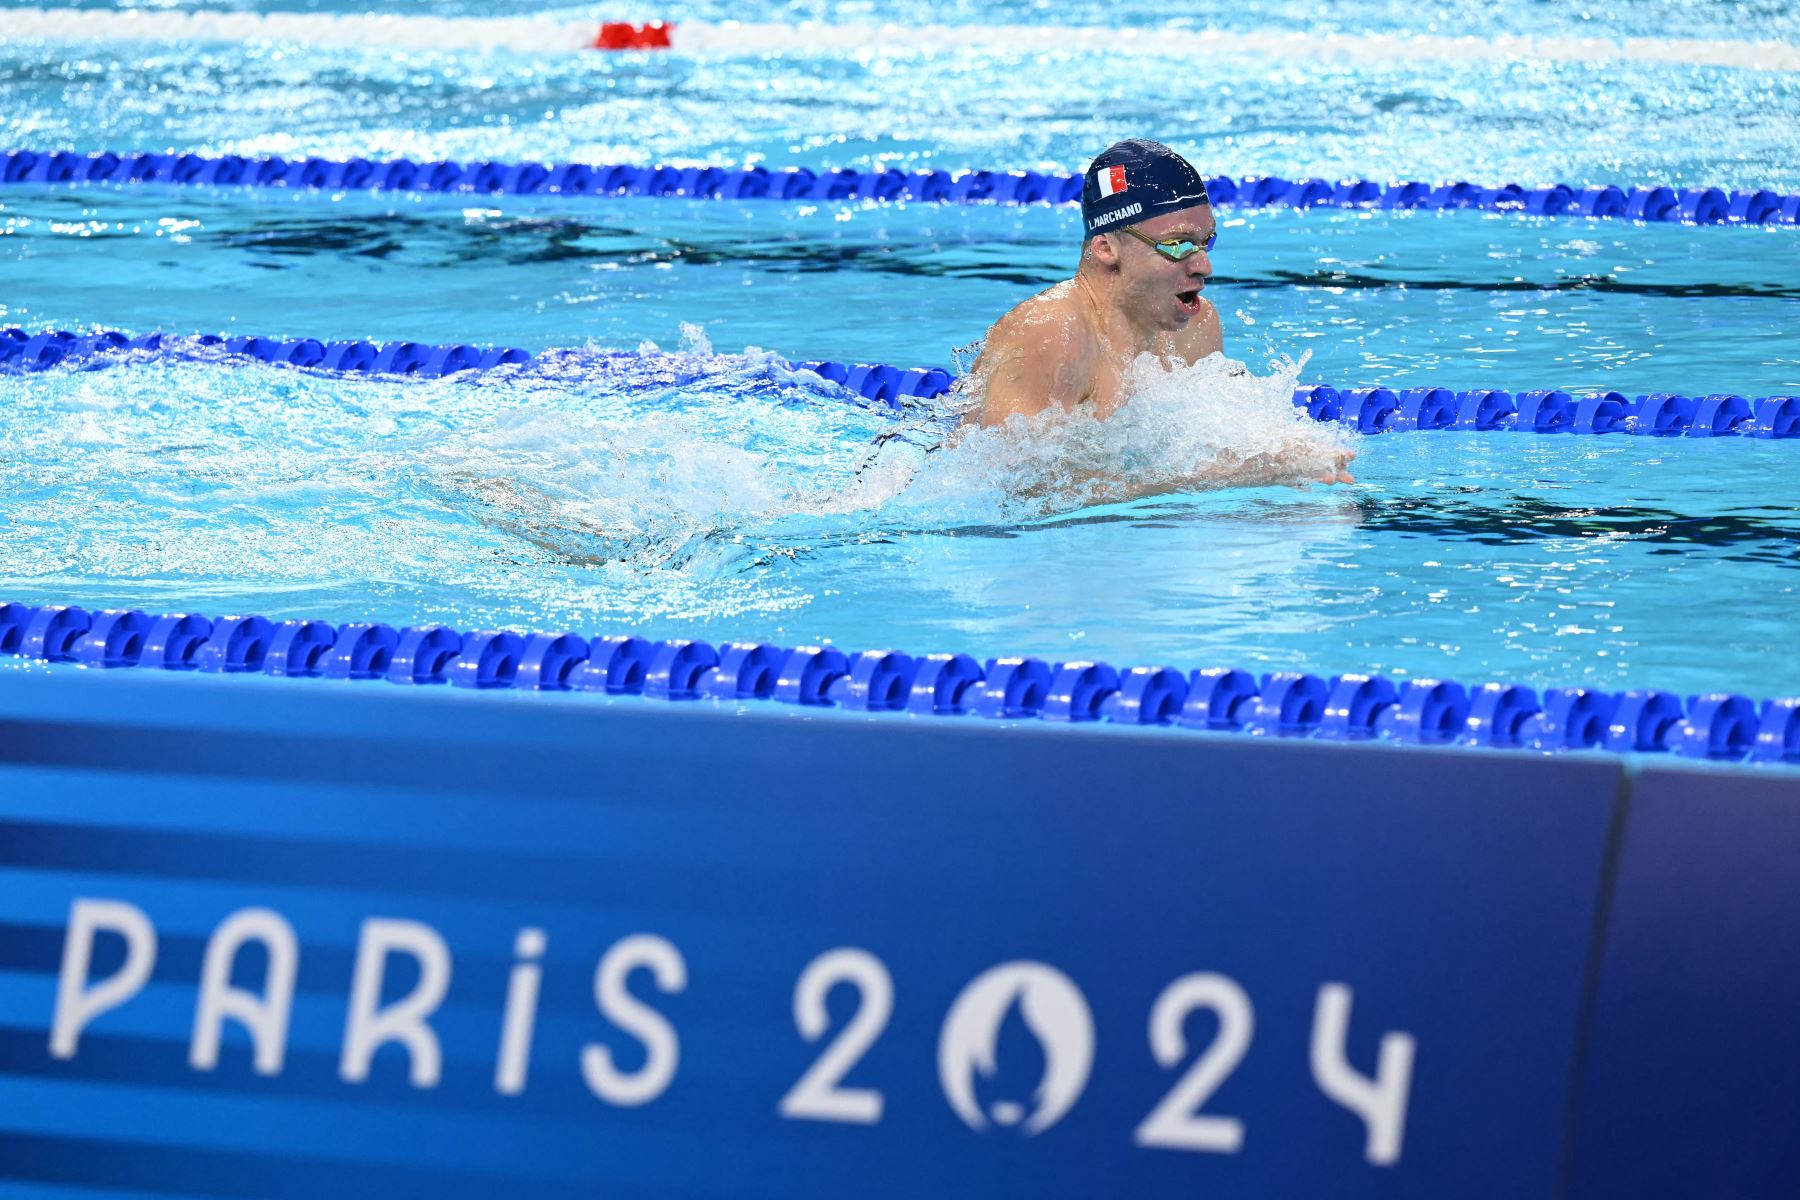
1158 293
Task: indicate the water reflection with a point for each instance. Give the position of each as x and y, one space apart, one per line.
1769 535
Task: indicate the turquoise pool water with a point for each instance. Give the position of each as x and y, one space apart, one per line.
950 107
711 492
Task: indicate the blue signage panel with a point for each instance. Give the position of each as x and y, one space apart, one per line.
1692 1077
299 938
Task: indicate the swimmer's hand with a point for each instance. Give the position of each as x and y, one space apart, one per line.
1340 472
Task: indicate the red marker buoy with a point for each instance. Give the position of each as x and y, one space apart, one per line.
622 35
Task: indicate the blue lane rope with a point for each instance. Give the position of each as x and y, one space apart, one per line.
22 352
1717 726
1368 410
1696 206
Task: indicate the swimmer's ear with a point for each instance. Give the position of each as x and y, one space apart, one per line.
1105 249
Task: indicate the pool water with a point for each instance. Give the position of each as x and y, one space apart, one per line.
706 490
945 106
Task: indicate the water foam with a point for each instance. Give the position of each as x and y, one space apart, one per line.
585 483
1183 429
653 460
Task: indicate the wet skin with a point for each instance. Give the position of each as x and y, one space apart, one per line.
1072 344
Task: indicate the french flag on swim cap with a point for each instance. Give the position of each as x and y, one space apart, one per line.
1159 180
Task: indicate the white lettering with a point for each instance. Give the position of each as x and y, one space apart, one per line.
1380 1102
75 1007
265 1016
817 1096
404 1020
1176 1123
662 1049
521 1013
1130 210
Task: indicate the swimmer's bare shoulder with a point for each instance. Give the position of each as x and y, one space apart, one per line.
1042 353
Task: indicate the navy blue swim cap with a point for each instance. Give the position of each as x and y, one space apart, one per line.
1135 180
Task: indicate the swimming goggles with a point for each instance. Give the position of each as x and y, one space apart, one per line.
1173 249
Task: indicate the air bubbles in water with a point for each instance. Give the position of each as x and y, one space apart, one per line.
1184 429
582 480
694 339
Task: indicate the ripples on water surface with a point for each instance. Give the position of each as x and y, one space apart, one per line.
1457 299
944 106
719 495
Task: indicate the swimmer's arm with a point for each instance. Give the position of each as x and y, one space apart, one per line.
1292 466
1032 364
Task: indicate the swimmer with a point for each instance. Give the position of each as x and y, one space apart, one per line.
1145 259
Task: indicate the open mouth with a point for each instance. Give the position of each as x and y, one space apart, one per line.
1189 300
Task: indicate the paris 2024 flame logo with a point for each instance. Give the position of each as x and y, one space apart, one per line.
1053 1010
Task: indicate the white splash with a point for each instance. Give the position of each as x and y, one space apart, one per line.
647 492
1188 429
694 339
584 482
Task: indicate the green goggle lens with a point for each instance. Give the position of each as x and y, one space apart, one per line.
1176 249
